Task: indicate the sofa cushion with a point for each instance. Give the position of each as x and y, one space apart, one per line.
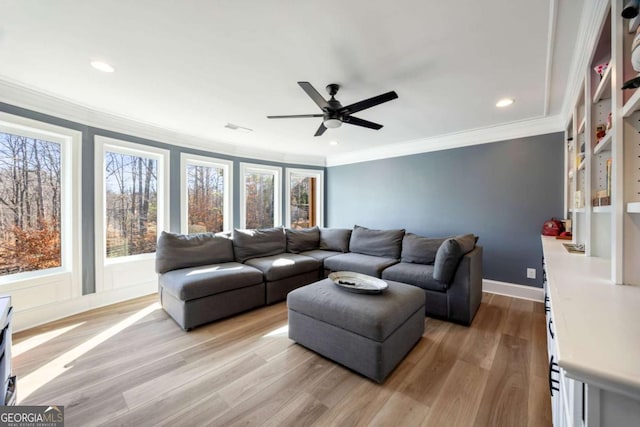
382 243
260 242
335 239
175 251
420 250
420 275
360 263
320 254
198 282
300 240
284 265
449 255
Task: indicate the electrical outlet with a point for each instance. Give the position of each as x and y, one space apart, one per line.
531 273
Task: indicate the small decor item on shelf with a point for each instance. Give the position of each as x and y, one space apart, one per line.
630 9
574 248
609 122
601 68
601 131
553 227
633 83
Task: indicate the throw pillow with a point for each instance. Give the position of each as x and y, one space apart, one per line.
382 243
175 251
449 255
420 250
259 242
304 239
335 239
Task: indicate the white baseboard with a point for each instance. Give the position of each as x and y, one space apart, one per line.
513 290
36 316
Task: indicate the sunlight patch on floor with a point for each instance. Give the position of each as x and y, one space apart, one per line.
280 332
35 341
53 369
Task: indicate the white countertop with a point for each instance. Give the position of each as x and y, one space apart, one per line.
596 323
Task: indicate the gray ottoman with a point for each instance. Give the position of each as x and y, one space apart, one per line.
369 334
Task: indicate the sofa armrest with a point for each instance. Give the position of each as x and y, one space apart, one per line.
465 291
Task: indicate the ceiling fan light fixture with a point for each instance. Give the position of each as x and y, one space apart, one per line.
332 123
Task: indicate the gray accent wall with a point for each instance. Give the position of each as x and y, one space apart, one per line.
88 180
502 192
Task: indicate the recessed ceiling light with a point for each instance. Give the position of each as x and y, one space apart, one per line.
102 66
333 143
505 102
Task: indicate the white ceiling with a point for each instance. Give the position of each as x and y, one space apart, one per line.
191 67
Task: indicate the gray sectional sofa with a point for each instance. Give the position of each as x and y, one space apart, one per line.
205 277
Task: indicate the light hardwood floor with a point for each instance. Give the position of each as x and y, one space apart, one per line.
130 364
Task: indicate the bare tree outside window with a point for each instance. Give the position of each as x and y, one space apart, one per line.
30 206
302 202
205 192
131 204
259 199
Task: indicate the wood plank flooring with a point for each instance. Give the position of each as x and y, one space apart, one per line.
129 364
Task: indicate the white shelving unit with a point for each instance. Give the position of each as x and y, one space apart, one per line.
602 209
604 144
633 207
603 90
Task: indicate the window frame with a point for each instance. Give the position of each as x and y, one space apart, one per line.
102 145
70 196
187 159
311 173
276 171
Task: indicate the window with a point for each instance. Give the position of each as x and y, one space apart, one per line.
206 194
36 198
260 195
132 182
305 195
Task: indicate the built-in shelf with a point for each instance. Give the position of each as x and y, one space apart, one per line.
581 165
602 209
605 83
582 123
604 144
577 210
632 105
633 207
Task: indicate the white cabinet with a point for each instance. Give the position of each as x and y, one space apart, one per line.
593 341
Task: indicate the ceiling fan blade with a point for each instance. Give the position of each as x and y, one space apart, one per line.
320 130
360 122
295 116
314 94
368 103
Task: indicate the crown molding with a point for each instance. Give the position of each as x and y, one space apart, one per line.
24 97
521 129
551 39
21 96
591 21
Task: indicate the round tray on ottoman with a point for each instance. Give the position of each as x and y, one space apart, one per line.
357 282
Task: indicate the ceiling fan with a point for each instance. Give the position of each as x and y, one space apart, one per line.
333 113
